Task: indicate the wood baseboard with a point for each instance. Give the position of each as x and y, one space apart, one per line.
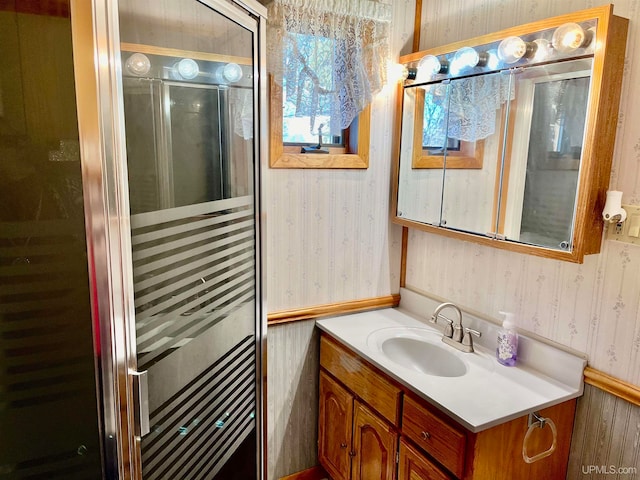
317 311
314 473
612 385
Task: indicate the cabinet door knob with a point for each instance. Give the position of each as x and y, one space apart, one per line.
343 445
352 453
425 435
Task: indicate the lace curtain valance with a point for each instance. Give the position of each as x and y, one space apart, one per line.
343 77
472 105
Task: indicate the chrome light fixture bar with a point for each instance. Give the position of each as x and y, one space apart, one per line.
570 40
158 66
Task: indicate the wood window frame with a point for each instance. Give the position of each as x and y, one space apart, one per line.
470 155
354 155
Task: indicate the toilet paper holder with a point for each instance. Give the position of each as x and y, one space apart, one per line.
538 421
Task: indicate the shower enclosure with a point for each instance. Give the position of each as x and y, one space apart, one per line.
132 318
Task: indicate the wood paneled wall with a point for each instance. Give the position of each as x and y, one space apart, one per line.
292 376
606 433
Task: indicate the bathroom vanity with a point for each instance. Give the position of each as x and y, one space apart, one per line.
383 417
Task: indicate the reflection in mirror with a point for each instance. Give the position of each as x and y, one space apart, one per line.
543 175
420 188
477 113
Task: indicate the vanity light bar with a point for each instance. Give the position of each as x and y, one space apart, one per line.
166 67
566 41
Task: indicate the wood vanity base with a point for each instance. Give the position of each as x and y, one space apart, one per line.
373 428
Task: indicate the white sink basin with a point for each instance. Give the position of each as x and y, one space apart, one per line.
423 356
418 349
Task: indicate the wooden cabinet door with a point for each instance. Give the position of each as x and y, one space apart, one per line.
335 421
415 466
374 446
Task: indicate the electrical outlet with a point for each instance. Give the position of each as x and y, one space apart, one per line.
627 231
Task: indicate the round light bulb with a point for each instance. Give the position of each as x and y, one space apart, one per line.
188 68
229 73
466 57
511 49
232 72
138 64
569 37
429 65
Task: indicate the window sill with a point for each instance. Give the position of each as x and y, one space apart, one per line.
319 160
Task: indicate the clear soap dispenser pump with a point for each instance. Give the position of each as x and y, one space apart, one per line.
507 351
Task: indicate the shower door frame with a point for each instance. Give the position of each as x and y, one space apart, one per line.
99 94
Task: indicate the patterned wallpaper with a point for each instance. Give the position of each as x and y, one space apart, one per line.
593 307
329 238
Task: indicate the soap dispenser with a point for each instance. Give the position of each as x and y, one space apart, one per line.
507 351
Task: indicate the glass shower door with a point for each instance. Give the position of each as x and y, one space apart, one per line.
189 94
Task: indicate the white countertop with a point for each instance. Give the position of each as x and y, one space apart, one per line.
489 393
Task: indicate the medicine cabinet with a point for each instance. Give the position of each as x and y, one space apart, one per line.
507 139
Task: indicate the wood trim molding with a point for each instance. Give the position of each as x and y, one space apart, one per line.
612 385
174 52
416 26
313 473
357 157
286 316
403 257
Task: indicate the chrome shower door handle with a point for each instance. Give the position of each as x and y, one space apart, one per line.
141 401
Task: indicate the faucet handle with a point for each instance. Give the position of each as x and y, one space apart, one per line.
466 337
448 329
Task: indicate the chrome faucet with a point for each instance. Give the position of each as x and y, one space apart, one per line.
455 334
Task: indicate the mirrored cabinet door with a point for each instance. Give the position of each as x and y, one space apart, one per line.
539 190
478 109
422 153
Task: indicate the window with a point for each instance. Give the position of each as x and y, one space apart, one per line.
430 138
308 119
327 61
353 153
